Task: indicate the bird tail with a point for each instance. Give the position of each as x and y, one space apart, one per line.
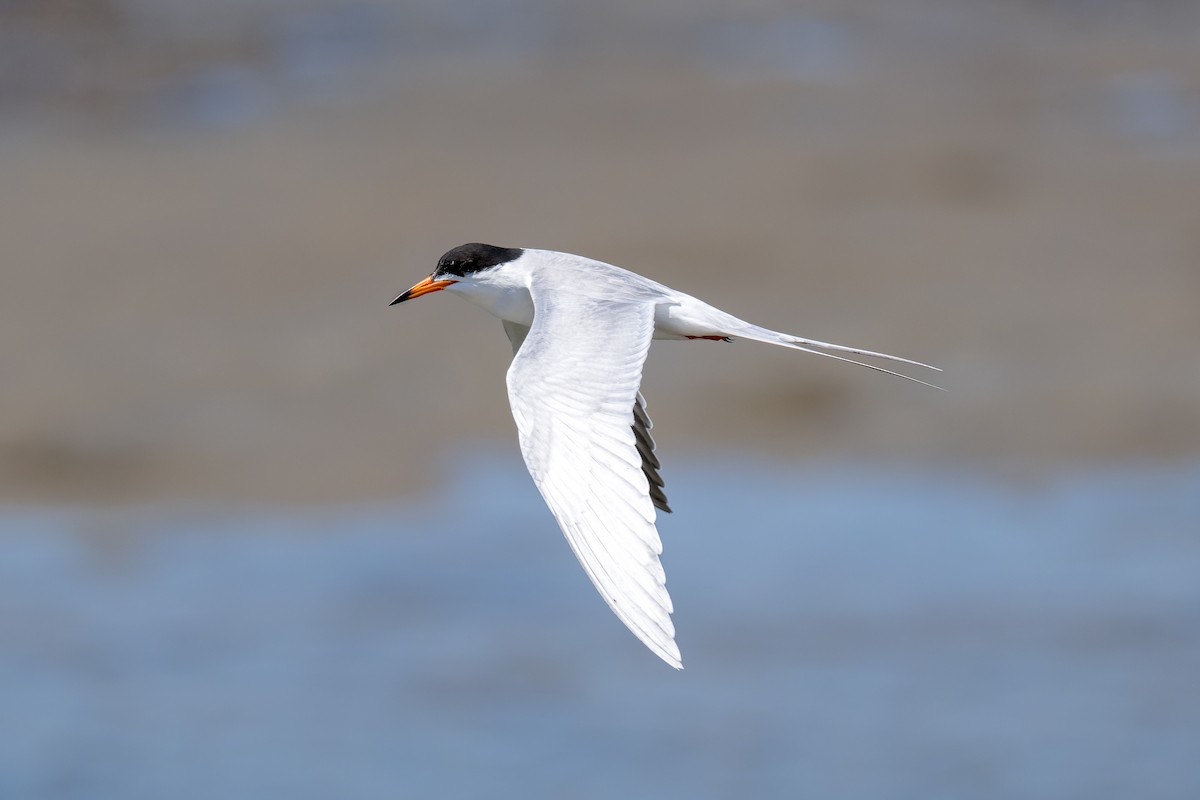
736 328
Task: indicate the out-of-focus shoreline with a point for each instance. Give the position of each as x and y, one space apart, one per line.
197 273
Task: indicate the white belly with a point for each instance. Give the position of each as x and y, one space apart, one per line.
688 318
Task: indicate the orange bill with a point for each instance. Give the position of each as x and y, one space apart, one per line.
423 287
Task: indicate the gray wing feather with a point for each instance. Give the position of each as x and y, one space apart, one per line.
645 448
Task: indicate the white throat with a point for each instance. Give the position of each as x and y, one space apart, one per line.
503 291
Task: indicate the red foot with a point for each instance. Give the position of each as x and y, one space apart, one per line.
713 338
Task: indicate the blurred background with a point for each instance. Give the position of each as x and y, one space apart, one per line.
261 535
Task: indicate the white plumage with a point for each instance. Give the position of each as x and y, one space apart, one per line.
580 331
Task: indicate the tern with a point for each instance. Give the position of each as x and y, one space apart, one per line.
580 330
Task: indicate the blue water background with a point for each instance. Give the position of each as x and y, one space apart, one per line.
847 633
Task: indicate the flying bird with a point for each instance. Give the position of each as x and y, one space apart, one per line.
580 330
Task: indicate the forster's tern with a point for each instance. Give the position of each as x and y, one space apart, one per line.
580 330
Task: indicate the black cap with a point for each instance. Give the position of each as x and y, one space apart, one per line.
475 257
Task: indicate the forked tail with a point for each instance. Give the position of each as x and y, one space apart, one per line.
746 330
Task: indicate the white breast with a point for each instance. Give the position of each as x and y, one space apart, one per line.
511 303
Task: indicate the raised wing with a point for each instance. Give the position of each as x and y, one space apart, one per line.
517 332
573 387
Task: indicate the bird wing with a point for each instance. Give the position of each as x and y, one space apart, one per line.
573 387
645 448
651 466
516 333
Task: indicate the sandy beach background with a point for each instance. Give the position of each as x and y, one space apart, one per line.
206 207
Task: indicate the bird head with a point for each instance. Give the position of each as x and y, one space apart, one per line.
464 264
